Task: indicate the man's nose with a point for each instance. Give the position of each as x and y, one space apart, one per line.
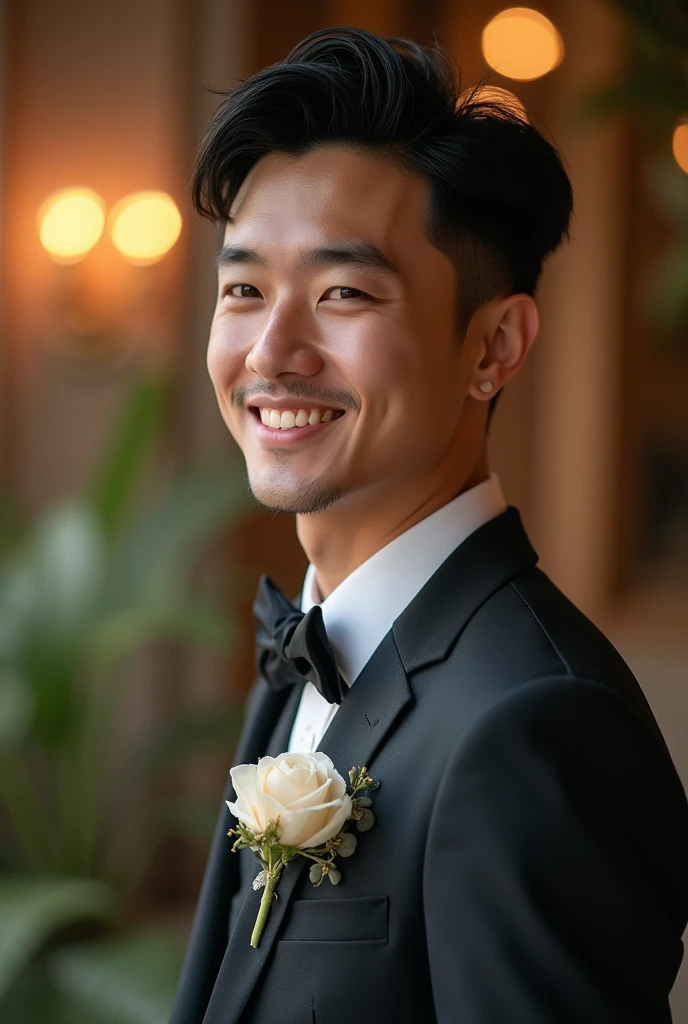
285 345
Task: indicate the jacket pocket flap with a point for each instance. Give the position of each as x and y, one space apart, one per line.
355 919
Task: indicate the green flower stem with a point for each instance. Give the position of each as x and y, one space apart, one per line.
264 909
318 860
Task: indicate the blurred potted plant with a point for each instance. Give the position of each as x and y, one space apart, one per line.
654 88
85 586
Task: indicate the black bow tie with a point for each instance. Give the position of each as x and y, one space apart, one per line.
291 646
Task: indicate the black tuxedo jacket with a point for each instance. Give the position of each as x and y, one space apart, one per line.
529 860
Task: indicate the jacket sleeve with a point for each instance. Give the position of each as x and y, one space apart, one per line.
556 871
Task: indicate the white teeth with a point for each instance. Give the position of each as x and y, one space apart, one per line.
288 419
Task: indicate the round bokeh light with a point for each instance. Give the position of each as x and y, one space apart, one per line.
70 222
145 226
521 43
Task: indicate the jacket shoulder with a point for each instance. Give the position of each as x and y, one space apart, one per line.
529 630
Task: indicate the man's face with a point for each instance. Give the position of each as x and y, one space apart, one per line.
333 306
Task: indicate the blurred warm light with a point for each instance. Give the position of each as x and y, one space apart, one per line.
521 43
70 222
495 94
680 145
145 226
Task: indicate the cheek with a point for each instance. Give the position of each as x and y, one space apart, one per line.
399 375
225 356
410 386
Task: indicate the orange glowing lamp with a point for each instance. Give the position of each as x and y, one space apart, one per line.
144 226
679 145
70 222
522 44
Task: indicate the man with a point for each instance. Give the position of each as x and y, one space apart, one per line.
383 238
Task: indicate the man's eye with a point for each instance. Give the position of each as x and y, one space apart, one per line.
346 293
241 291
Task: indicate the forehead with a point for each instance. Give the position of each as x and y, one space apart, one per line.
331 193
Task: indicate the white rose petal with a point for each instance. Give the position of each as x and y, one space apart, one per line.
304 790
332 826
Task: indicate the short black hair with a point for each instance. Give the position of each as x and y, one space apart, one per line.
501 200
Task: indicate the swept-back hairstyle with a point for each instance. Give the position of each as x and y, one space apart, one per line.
500 199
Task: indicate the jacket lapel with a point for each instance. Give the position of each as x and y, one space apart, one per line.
431 624
379 695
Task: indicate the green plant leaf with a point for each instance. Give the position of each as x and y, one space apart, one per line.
49 600
32 909
139 427
190 619
187 734
128 979
155 557
33 999
16 710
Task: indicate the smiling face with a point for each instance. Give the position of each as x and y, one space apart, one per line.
334 308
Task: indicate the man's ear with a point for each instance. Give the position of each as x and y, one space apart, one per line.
508 328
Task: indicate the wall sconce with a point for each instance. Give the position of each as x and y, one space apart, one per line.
104 301
70 222
679 144
521 43
144 226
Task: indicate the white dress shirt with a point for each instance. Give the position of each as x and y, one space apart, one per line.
360 611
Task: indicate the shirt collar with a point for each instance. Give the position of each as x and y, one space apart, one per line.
361 610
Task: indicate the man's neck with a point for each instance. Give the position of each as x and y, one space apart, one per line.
347 534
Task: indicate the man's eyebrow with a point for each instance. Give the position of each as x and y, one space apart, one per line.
364 255
229 255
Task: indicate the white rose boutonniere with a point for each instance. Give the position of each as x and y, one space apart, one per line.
297 805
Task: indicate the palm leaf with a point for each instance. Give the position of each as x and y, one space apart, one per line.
189 619
16 710
49 600
34 999
32 909
138 428
153 559
129 979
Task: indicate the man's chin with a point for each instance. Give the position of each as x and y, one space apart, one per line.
308 499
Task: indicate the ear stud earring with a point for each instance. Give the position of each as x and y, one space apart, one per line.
486 386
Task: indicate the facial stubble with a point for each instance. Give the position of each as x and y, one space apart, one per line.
313 497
